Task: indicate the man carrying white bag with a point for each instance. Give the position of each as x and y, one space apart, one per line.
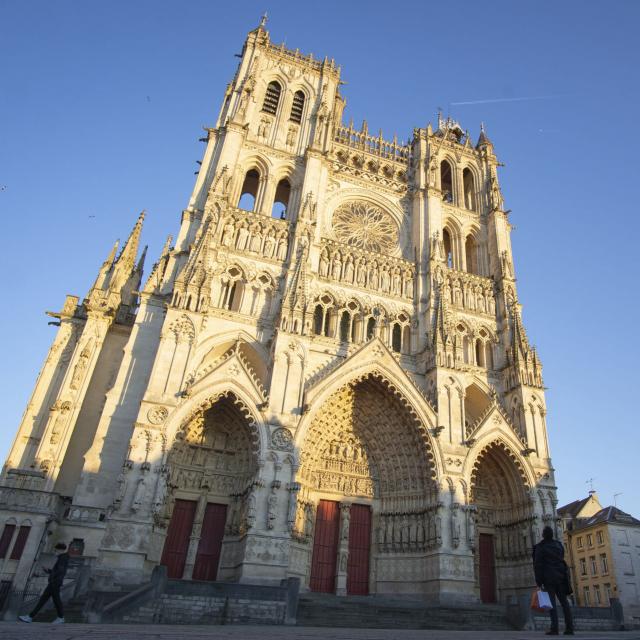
552 578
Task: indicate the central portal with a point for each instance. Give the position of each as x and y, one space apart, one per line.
365 509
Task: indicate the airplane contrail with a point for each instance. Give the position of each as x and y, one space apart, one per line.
489 100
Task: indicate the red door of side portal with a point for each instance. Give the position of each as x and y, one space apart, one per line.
176 545
487 569
359 547
325 547
208 556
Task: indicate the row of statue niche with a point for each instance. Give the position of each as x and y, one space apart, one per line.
366 273
469 295
262 239
397 532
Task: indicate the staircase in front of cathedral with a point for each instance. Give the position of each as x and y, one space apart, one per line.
380 612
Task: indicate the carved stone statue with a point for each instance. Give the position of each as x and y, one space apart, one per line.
269 244
282 246
348 270
243 236
80 368
323 268
336 267
256 239
138 496
272 509
227 233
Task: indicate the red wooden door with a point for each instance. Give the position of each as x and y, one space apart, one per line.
208 556
359 547
325 547
176 545
487 569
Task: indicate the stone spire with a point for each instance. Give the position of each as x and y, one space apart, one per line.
119 278
154 280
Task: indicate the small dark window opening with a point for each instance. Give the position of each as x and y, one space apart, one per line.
396 338
345 321
272 98
318 315
371 328
297 107
249 191
446 241
281 200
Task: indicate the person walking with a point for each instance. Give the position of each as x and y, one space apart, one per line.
52 590
552 576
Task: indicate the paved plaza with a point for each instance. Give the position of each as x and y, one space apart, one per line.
18 631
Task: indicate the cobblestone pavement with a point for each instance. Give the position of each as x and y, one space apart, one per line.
35 631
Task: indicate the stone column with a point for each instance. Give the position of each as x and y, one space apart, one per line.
343 549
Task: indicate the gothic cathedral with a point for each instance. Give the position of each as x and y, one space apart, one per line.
326 376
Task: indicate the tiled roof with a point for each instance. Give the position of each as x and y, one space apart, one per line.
572 509
608 515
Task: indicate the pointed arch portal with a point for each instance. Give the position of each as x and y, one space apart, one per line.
368 476
506 525
210 469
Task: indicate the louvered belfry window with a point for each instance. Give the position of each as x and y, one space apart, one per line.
271 98
297 107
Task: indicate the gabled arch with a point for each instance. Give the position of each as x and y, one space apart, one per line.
510 447
374 360
180 419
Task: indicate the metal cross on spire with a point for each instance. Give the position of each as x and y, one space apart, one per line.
590 483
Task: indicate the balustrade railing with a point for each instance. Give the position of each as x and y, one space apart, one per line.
375 145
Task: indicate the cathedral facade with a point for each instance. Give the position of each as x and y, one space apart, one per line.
326 376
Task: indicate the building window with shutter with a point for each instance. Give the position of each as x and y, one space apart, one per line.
21 540
5 539
603 563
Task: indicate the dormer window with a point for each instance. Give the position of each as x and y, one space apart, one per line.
272 98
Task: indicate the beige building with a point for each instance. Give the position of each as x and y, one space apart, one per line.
325 376
603 552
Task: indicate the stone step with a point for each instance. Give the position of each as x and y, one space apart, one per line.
326 610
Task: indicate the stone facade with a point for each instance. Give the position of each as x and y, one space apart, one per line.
337 320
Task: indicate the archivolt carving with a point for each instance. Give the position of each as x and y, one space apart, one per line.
215 453
368 441
239 405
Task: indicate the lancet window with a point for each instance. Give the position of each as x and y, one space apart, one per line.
446 181
249 192
297 107
469 190
272 98
281 199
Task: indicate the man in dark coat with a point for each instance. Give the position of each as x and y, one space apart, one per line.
552 576
52 590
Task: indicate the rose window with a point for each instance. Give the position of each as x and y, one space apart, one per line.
365 226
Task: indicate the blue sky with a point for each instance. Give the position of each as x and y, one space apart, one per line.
101 106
